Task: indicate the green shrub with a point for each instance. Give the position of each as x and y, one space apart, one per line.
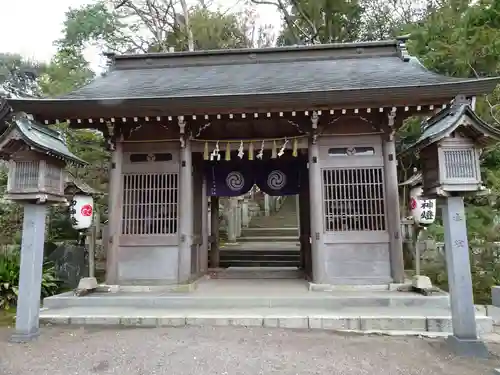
485 270
9 279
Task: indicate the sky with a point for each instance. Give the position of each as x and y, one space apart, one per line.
36 41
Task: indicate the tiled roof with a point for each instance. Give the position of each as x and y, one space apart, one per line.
448 120
43 139
248 78
72 181
260 78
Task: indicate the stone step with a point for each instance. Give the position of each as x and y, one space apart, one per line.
247 299
258 273
260 258
263 254
372 321
268 238
269 232
265 246
259 263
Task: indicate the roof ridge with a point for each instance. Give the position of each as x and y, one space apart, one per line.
237 51
403 51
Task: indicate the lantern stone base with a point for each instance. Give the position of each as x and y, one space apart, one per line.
468 347
421 282
24 337
88 283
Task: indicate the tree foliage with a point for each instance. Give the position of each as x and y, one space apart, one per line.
140 26
19 76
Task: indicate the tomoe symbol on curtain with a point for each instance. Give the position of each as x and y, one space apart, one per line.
276 180
235 181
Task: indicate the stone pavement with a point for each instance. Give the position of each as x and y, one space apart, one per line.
230 351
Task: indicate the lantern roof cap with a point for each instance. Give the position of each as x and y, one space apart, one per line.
41 138
78 186
414 180
445 122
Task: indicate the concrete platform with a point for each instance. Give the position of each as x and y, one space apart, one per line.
230 294
266 303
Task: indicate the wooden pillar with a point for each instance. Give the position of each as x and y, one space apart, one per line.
392 210
186 210
319 271
214 227
115 192
303 233
204 226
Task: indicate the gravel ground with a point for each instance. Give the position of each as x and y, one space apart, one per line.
231 351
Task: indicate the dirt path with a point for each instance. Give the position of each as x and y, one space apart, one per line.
230 351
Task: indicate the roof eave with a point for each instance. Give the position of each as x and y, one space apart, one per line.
68 158
490 134
483 126
128 107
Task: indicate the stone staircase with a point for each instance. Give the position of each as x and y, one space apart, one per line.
261 303
269 241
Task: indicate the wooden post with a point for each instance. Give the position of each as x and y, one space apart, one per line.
319 273
214 228
392 208
115 214
204 226
91 241
186 212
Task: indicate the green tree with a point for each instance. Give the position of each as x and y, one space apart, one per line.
67 70
135 26
318 21
19 76
386 19
210 30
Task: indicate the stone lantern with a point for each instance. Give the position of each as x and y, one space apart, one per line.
36 156
450 147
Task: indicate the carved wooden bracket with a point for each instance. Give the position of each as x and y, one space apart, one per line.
182 130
